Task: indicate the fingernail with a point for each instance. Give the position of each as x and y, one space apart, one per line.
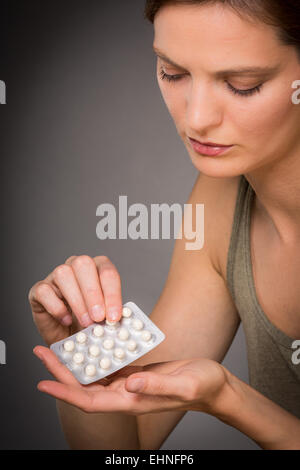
113 316
97 312
85 320
67 320
41 387
136 385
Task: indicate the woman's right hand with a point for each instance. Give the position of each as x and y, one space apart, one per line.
75 294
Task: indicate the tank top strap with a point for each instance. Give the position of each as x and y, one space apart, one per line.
239 212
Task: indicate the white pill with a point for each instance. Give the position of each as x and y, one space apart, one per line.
90 370
69 346
131 345
119 353
94 350
127 312
112 324
137 324
98 331
108 343
78 358
105 363
123 334
81 338
146 335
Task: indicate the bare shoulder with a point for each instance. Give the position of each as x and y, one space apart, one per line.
219 198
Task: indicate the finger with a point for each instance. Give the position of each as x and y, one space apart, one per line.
125 372
67 392
161 384
111 286
54 366
70 259
63 276
87 277
91 402
43 298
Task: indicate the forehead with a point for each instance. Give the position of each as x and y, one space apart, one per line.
213 32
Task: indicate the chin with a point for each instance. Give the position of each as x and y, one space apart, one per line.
220 166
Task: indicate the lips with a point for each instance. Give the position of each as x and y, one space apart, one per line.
209 148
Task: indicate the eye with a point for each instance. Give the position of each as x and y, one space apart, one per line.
249 92
170 78
236 91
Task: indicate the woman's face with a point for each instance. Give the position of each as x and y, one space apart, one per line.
209 101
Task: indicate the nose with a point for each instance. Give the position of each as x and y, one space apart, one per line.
203 109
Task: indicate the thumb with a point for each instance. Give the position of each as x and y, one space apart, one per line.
152 383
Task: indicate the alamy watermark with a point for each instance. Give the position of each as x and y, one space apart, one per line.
296 94
296 353
138 227
2 92
2 352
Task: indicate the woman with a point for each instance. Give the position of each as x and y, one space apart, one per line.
226 71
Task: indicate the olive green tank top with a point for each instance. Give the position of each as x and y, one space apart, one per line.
269 350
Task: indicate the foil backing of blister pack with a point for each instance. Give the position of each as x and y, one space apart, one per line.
91 364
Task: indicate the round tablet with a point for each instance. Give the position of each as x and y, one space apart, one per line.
137 324
127 312
131 345
81 338
111 324
105 363
90 370
108 343
98 331
69 346
119 353
145 335
123 334
94 350
78 358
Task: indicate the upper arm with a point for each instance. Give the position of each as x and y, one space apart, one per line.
195 309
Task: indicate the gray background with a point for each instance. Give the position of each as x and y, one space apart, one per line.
84 123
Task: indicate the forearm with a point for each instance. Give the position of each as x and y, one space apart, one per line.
99 431
269 425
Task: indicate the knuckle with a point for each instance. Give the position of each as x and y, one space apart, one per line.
41 290
60 311
159 387
61 271
30 294
110 273
70 259
94 293
82 260
103 259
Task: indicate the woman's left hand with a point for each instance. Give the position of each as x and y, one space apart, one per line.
194 384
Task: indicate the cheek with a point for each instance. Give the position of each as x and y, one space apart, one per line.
264 117
174 98
174 104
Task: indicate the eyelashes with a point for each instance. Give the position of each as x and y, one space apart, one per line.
249 92
236 91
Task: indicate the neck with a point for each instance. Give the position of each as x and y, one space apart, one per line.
277 190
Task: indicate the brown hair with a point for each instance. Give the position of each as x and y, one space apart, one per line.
284 15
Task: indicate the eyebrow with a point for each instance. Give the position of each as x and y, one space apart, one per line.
255 71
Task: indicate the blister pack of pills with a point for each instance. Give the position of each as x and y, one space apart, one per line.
103 348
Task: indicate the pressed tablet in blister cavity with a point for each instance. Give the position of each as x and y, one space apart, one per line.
78 358
69 346
98 331
103 348
131 345
81 337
